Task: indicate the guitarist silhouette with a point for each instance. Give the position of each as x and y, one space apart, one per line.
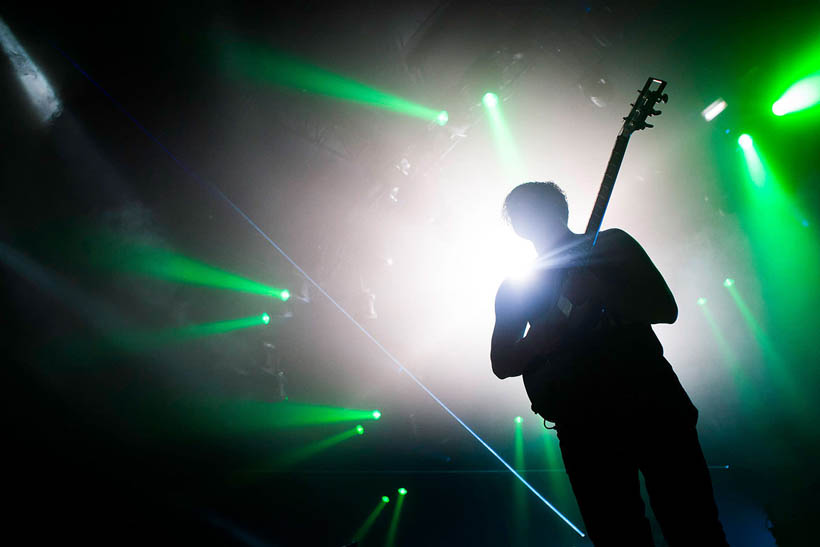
599 374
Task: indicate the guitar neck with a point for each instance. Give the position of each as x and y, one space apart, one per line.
605 191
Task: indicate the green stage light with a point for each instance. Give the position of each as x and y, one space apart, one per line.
305 452
701 301
280 69
490 99
442 118
110 252
711 112
728 282
799 96
376 414
753 162
518 419
370 520
394 521
265 318
402 491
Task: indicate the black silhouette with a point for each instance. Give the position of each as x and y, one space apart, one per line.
600 376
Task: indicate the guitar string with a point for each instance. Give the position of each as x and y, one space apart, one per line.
215 189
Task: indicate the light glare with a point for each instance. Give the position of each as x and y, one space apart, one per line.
490 99
800 96
711 112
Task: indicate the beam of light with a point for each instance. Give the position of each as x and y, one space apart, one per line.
264 65
490 99
310 450
262 415
394 521
34 83
504 142
371 519
557 475
753 164
170 266
135 341
779 369
216 190
801 95
739 376
757 331
711 112
519 506
774 220
725 349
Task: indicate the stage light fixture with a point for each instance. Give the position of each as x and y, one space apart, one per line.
284 295
385 499
402 491
442 118
265 318
745 141
800 96
518 419
376 414
701 301
728 282
34 82
360 430
711 112
490 99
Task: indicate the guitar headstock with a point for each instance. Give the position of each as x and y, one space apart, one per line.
651 94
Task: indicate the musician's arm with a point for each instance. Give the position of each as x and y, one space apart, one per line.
511 353
634 290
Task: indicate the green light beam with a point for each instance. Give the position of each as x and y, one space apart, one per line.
170 266
504 142
370 520
557 475
728 354
757 331
520 514
254 415
753 164
801 95
394 522
272 67
151 339
314 448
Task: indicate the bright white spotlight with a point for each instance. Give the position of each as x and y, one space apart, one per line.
711 112
34 82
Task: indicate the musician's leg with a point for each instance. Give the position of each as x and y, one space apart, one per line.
604 478
679 486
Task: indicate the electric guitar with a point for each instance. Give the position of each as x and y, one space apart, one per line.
539 381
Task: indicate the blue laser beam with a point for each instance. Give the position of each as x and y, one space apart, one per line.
214 188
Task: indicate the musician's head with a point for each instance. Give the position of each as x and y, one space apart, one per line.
537 211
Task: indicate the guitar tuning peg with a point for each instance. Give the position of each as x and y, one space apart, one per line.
655 113
648 125
665 98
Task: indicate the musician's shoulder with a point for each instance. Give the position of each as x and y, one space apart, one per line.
615 237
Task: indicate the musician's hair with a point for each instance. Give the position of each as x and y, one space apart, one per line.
547 195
